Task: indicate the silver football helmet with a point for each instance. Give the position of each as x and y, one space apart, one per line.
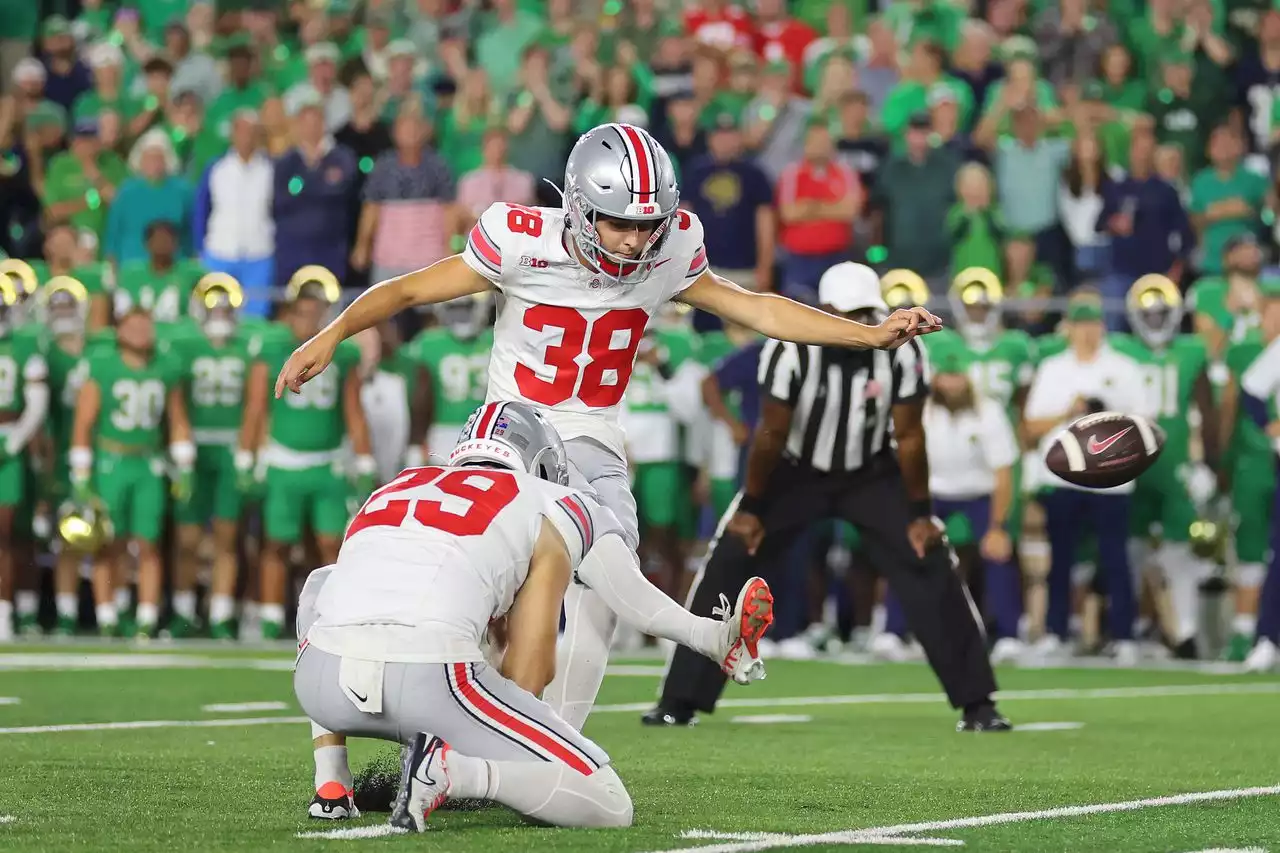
515 436
465 316
619 171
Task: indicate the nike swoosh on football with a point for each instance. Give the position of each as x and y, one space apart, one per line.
1096 447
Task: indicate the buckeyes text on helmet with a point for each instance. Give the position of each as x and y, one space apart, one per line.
512 435
620 172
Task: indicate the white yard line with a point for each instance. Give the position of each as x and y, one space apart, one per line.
1004 696
5 818
378 830
1047 727
9 700
874 835
243 707
57 662
775 702
768 719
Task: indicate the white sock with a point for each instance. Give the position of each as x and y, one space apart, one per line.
1182 575
27 602
6 611
331 766
551 793
271 613
613 573
1245 624
148 615
68 604
184 604
122 599
107 615
581 655
221 608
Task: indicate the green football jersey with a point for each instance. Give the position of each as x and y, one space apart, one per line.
997 370
713 346
1170 375
133 398
66 375
312 421
20 362
215 382
165 294
96 277
459 370
1247 439
1208 296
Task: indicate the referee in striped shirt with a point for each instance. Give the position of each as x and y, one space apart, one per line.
841 436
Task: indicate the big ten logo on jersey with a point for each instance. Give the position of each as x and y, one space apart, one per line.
464 376
217 381
139 404
319 393
458 502
534 263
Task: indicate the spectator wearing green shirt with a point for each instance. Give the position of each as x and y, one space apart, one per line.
1226 198
1185 109
242 92
1116 98
915 20
82 182
403 83
152 192
974 223
503 44
912 95
463 125
106 60
539 116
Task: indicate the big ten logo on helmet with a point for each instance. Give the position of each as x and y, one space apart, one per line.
536 263
642 209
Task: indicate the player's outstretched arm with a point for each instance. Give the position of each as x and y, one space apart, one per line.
88 405
533 621
787 320
440 282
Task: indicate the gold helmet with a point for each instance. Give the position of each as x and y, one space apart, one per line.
9 304
317 280
21 276
1154 305
903 288
215 304
62 306
84 526
1208 537
975 296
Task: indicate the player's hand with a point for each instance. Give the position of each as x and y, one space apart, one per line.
307 361
925 534
81 491
747 527
903 325
741 435
996 545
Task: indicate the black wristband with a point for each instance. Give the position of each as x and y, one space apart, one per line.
920 509
751 504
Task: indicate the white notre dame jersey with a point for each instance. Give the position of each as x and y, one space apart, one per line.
566 338
436 554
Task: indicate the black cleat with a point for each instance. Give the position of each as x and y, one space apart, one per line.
661 716
983 718
1186 650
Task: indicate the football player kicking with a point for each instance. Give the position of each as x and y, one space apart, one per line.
392 647
579 285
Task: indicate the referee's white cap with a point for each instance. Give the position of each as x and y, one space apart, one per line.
851 287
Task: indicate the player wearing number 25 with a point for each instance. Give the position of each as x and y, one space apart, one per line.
131 392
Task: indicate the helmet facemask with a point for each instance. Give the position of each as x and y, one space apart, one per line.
216 307
66 314
582 218
975 298
464 317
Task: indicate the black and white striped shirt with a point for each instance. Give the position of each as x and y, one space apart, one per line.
842 399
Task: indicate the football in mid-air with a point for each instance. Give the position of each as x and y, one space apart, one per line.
1105 449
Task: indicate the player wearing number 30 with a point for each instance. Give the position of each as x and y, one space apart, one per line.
580 284
130 392
392 634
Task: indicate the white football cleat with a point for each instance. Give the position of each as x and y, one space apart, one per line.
746 623
333 802
1263 657
1007 650
1127 653
889 647
424 782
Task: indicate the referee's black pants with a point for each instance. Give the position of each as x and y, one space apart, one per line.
873 499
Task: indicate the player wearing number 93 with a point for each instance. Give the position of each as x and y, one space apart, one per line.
130 392
391 637
580 284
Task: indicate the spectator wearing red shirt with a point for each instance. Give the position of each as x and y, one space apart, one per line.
783 37
819 197
721 24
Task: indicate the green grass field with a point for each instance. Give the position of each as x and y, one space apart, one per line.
866 755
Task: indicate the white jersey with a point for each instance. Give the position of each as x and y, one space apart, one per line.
566 338
436 554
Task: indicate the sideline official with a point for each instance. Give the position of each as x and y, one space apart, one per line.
841 436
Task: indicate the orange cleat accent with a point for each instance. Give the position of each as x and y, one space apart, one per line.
333 791
756 615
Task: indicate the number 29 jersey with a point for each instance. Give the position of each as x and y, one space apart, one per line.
436 554
566 337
